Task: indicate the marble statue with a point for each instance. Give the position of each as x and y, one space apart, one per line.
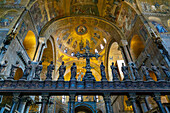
165 70
27 70
114 71
62 70
156 71
146 72
3 66
135 71
50 69
73 71
38 70
102 70
125 72
13 70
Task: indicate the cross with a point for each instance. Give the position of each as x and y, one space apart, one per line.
87 55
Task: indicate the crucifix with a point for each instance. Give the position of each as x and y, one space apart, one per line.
87 55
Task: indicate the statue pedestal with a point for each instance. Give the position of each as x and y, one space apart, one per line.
21 83
60 84
47 83
36 78
128 83
89 84
105 84
140 84
10 78
73 83
88 76
22 79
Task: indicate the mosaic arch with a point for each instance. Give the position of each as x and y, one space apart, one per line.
154 6
109 30
47 57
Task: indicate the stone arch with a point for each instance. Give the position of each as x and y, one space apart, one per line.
136 46
30 44
47 56
99 111
114 55
18 74
115 34
61 110
84 107
156 23
55 24
151 18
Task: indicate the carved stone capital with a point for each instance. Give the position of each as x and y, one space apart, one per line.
141 99
157 97
72 97
123 43
42 40
16 97
132 97
45 97
107 97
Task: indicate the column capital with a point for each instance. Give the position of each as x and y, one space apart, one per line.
42 39
72 96
107 95
45 97
24 98
157 96
123 43
141 99
16 97
132 97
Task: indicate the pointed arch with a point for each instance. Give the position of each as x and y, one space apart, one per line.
30 44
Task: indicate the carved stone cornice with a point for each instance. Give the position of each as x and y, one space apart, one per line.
8 87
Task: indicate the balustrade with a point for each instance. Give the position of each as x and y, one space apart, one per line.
88 86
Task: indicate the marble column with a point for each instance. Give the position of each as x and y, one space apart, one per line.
39 49
127 55
132 99
147 103
124 45
45 99
143 104
72 103
167 110
157 98
28 104
22 104
107 99
15 101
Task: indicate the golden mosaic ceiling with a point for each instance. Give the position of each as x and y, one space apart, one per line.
75 37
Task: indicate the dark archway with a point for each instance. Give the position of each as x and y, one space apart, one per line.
83 109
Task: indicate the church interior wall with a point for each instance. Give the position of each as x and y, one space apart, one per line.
36 20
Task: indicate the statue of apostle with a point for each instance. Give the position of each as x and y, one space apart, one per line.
73 71
62 70
50 69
